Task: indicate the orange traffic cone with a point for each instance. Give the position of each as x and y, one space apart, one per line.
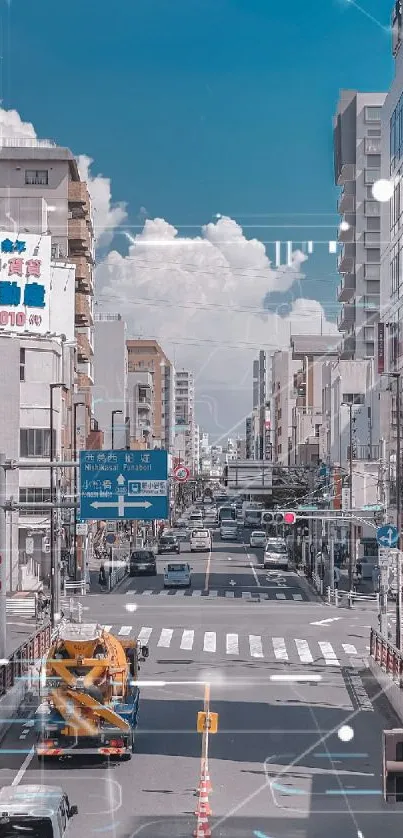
202 829
203 806
205 783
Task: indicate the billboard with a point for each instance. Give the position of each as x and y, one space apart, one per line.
25 283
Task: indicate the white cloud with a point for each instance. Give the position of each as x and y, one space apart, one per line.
107 216
202 299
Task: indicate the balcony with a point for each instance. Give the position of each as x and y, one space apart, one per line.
372 239
79 236
347 349
345 262
371 302
84 349
372 145
83 312
346 174
84 281
346 289
77 192
346 202
346 317
371 175
348 234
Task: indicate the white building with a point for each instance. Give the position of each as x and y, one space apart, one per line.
311 351
357 162
37 350
283 401
184 446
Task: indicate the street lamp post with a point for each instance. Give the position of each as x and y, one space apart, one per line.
397 376
114 413
75 406
54 569
350 465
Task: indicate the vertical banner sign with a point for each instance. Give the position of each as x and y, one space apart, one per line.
381 348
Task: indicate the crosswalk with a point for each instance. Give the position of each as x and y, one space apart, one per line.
257 594
235 645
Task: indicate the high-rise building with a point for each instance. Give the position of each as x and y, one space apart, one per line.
357 164
262 387
110 379
283 401
146 356
184 418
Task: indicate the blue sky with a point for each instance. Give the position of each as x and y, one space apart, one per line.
194 107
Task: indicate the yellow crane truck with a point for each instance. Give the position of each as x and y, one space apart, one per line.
90 693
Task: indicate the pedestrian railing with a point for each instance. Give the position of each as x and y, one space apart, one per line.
72 609
332 596
21 607
317 583
79 588
116 576
353 596
29 654
387 656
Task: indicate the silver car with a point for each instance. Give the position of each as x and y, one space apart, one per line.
276 555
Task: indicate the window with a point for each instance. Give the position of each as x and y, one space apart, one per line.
396 135
22 364
34 495
371 175
374 225
353 398
372 208
372 113
36 177
374 132
35 442
317 430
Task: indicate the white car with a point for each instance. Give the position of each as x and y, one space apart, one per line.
177 575
257 539
229 531
196 517
200 540
276 554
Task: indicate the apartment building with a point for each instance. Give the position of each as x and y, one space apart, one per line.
310 351
357 165
146 356
262 392
111 379
185 418
283 400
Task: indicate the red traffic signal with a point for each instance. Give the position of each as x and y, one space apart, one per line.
289 517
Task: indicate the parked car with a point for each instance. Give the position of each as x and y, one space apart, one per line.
257 539
143 561
229 531
276 553
200 540
177 575
168 544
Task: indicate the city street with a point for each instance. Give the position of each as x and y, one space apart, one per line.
299 739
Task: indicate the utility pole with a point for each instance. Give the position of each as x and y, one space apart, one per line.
3 562
75 483
54 571
398 517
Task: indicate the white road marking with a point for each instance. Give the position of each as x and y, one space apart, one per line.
107 628
280 596
209 641
329 654
280 651
125 630
246 594
254 573
349 649
325 622
18 777
147 593
304 651
297 596
230 594
232 644
213 594
196 593
255 645
165 638
144 634
187 639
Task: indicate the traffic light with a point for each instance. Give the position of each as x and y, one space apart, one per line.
277 517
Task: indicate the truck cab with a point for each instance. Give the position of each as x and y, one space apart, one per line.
37 811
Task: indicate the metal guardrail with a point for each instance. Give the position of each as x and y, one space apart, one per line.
352 596
332 595
116 576
22 659
78 588
21 607
387 656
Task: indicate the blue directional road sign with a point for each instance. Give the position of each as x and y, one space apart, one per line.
387 536
123 484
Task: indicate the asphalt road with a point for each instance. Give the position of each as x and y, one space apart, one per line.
298 752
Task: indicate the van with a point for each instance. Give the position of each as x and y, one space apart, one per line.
200 540
37 811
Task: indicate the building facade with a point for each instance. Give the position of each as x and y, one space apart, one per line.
185 418
146 356
357 164
110 379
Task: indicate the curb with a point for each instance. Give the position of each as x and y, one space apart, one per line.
310 591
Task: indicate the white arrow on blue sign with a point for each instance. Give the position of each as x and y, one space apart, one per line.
387 536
